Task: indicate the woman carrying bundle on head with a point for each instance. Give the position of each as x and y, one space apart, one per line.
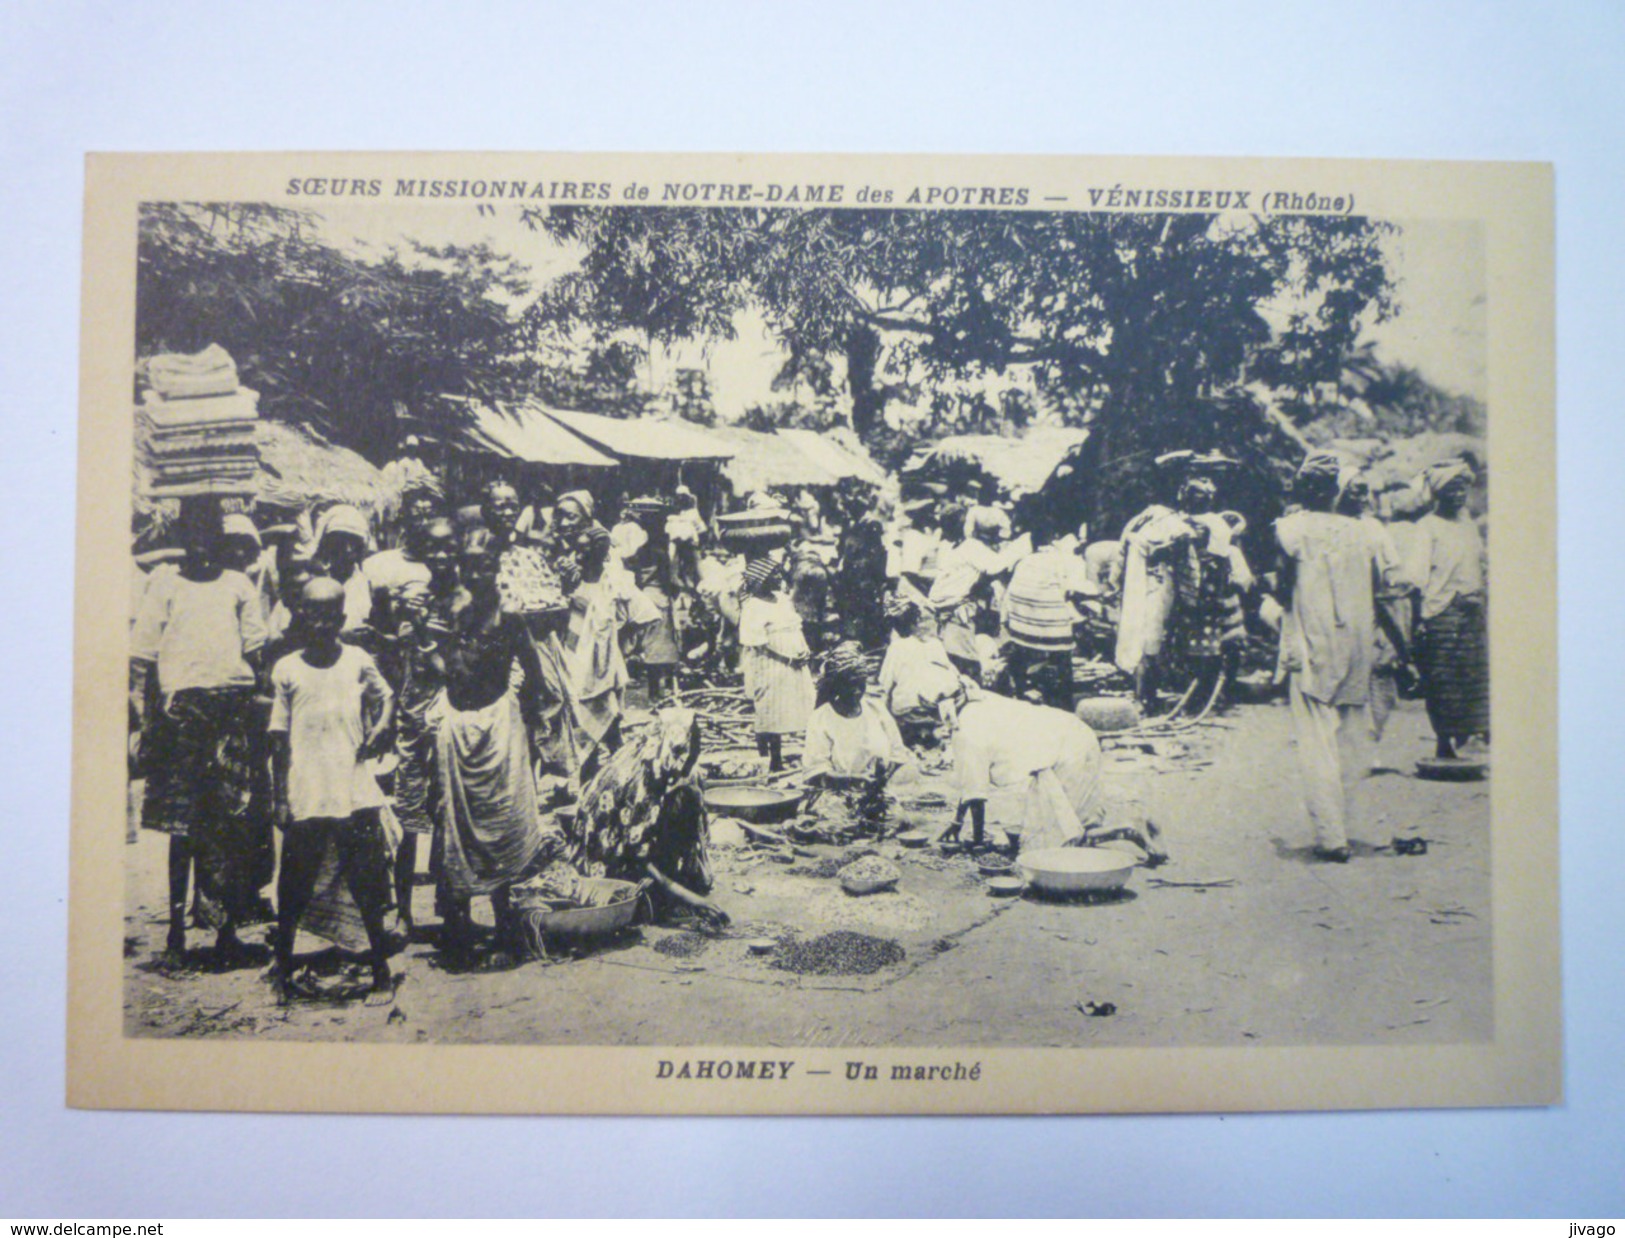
195 649
1452 633
1207 628
774 655
529 588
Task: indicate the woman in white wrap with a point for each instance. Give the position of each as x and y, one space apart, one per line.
1053 757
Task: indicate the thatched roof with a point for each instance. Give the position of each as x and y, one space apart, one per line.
298 468
1019 465
793 458
838 452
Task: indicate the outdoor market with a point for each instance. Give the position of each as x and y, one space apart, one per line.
550 725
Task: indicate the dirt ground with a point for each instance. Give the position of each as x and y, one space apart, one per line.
1264 945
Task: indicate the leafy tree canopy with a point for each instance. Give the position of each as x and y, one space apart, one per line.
328 338
1150 328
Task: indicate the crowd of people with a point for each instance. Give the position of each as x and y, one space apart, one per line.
476 677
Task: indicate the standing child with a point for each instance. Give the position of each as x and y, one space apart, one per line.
605 609
200 632
331 714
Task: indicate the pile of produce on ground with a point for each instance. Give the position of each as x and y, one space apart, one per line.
893 911
869 874
838 954
682 945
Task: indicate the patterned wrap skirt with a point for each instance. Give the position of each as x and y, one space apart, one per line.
782 694
209 780
417 778
1452 652
1207 614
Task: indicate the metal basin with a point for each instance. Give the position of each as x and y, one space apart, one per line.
1450 769
1074 870
613 904
759 805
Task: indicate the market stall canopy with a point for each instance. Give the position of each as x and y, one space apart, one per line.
641 438
838 453
524 431
1019 465
792 458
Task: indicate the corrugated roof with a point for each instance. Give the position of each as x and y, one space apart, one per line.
643 438
524 432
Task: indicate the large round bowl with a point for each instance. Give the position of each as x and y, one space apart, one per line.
611 905
758 805
1076 870
1450 769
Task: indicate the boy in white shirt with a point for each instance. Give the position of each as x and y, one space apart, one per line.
330 715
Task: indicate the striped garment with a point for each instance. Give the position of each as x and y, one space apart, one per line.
773 656
1452 652
766 568
1037 613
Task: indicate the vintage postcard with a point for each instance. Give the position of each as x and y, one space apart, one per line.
814 634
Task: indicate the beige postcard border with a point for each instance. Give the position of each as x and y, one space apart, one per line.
1523 1063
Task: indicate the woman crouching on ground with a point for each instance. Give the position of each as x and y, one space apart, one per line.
1054 758
853 744
643 818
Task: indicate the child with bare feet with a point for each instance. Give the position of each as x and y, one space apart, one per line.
330 715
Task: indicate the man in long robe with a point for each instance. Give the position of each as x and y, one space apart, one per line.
1330 569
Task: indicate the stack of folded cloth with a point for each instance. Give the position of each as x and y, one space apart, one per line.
200 431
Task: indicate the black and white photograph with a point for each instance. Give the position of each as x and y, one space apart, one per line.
862 621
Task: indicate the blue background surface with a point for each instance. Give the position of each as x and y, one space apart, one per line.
1461 81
